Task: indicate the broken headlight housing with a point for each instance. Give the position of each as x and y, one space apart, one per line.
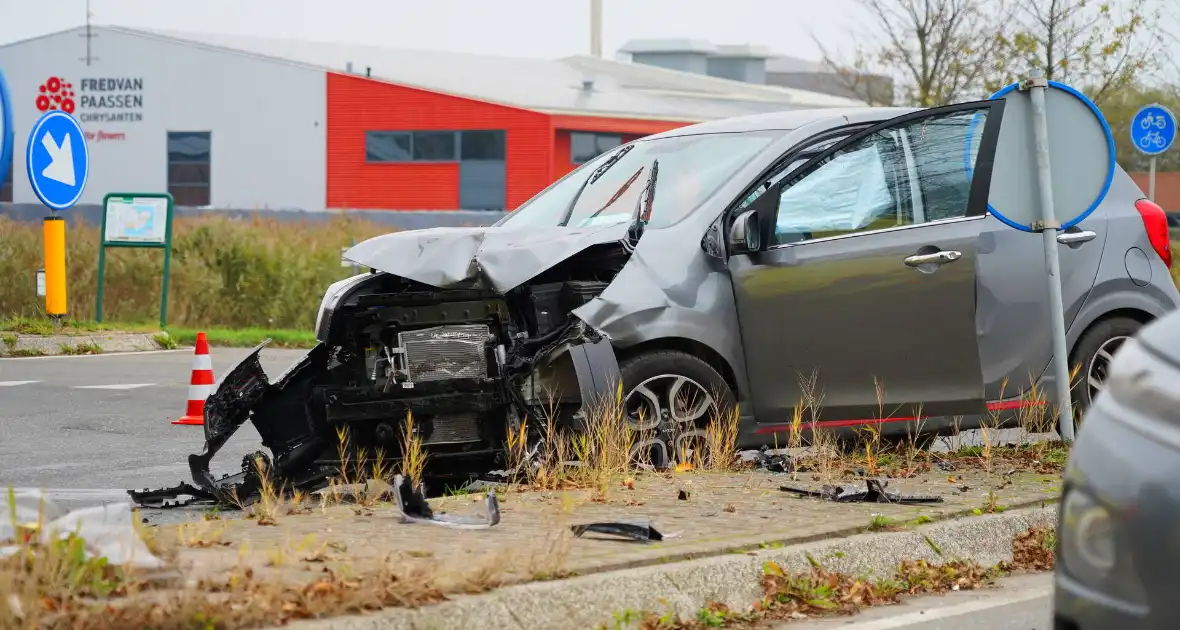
332 297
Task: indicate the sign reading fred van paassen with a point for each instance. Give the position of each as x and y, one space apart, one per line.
95 99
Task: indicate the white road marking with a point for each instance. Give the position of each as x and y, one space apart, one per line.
77 494
930 614
120 386
96 356
15 383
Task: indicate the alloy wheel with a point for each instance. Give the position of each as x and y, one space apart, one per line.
1099 366
667 412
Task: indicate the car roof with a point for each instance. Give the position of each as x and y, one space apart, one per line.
788 120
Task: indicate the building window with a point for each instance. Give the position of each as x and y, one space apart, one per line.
387 146
434 146
6 187
479 153
585 146
482 145
190 155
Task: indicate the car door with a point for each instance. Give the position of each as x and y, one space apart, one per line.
859 302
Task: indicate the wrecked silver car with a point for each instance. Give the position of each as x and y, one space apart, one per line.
700 267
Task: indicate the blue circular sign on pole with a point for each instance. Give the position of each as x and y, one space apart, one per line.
1081 152
6 131
1153 129
57 160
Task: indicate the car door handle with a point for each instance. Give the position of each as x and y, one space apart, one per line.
937 258
1075 238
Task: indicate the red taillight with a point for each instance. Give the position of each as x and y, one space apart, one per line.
1156 224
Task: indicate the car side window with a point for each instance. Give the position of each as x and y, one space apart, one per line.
916 172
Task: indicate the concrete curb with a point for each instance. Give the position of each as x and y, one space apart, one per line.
55 345
686 587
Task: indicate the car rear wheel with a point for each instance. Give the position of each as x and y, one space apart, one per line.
1092 357
669 398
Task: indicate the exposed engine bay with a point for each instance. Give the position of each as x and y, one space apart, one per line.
469 363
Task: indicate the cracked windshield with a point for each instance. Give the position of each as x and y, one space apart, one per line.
690 169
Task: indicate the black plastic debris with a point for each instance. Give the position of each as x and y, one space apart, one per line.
167 498
776 463
642 532
412 505
873 492
683 495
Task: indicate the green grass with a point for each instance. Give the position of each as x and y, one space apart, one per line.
245 337
173 336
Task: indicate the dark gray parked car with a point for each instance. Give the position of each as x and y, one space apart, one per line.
1118 549
713 264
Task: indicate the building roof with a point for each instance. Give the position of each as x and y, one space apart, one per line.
557 86
783 63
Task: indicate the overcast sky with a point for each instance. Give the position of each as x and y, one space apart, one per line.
535 28
532 28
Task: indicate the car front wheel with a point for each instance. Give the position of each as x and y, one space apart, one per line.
669 398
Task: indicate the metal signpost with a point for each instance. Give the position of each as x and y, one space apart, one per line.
6 131
1153 130
58 163
136 220
1051 184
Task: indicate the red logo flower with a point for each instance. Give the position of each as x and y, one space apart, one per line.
56 94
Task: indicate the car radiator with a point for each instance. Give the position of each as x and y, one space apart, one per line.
445 352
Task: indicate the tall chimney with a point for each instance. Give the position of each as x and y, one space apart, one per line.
596 28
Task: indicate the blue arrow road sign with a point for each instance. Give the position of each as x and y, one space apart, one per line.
1153 130
57 160
5 126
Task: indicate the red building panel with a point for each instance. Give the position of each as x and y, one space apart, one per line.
358 104
537 151
638 127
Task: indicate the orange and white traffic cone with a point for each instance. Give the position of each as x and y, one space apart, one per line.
200 385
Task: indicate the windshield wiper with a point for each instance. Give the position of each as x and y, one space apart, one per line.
598 173
644 204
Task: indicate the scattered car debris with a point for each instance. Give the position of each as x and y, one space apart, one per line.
683 495
874 492
764 459
413 507
639 531
108 531
160 498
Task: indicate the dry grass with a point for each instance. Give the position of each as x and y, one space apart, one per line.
225 272
820 592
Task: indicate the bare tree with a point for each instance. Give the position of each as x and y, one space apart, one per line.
1102 47
938 51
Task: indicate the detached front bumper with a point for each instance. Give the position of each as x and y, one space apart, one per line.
246 390
281 412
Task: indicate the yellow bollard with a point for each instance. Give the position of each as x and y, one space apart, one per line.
55 266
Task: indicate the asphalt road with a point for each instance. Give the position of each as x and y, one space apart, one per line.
87 428
1018 603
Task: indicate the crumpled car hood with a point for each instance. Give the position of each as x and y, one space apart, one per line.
495 258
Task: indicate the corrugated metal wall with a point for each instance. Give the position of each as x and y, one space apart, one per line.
357 105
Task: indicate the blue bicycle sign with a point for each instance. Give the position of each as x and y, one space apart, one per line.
1153 129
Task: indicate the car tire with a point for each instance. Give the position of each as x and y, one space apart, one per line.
1101 339
657 371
